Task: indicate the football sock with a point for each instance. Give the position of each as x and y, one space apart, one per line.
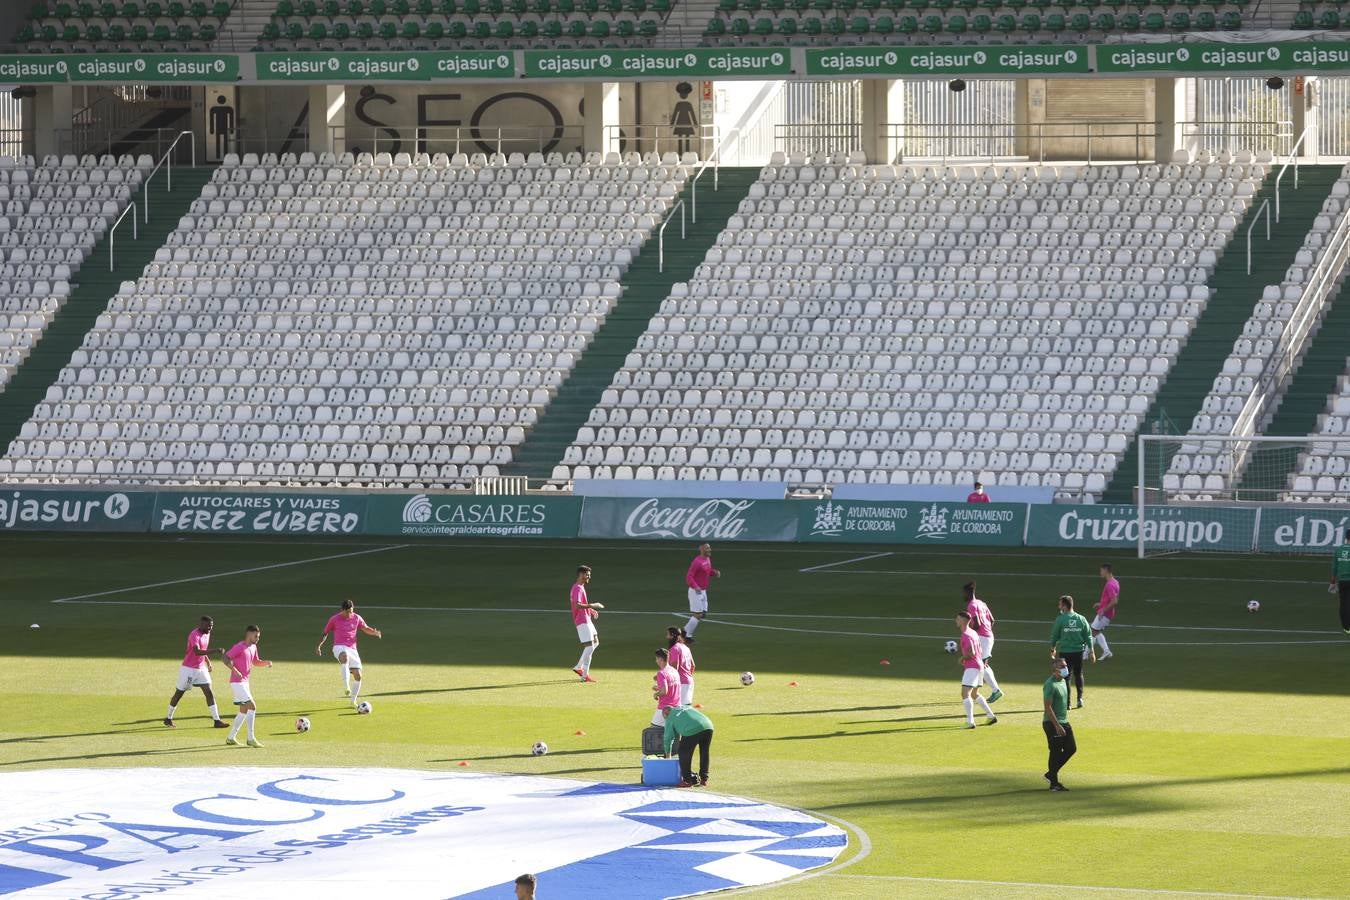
171 709
970 710
984 705
252 713
585 662
691 625
989 678
356 689
238 721
215 713
346 678
1100 640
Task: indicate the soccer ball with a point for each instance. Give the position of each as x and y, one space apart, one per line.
363 708
539 748
950 647
302 724
747 678
1253 606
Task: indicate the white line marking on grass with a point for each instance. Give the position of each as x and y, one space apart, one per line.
844 562
78 601
966 572
741 615
1066 887
281 565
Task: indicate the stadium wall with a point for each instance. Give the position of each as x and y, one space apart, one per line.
1282 529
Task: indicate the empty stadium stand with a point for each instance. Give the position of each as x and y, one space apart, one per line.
898 325
1322 475
347 321
61 26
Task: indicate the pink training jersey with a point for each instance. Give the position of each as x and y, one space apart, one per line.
197 640
244 656
344 630
683 662
580 613
667 687
981 616
1110 591
970 645
700 573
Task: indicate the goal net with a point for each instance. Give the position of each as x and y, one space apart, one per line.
1241 494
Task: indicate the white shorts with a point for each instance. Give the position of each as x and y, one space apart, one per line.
972 677
586 633
1100 623
986 646
241 692
658 719
353 658
189 678
687 694
698 600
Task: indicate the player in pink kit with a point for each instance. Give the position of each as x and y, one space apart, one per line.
700 573
972 669
682 660
665 687
344 627
196 671
983 619
241 659
583 612
1106 611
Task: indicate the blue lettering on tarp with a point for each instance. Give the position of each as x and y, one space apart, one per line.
139 832
271 790
13 878
39 846
189 810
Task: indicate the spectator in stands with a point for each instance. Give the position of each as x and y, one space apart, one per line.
525 886
978 495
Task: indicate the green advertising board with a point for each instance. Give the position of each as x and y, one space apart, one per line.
1301 529
409 66
250 512
459 516
941 522
689 519
38 509
34 69
1284 56
986 60
703 63
154 67
1228 528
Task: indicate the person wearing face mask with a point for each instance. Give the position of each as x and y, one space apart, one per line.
1058 731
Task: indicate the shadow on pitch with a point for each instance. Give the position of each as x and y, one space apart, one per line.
531 755
957 720
476 687
36 738
126 754
845 709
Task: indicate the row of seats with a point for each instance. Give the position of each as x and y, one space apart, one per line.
789 28
367 352
431 33
63 26
903 351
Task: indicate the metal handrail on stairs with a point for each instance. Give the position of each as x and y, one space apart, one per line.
1291 160
661 236
168 174
112 232
1263 208
714 161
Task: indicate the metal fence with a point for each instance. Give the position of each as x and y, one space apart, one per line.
980 119
1234 114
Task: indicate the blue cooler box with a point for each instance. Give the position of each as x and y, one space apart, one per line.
659 772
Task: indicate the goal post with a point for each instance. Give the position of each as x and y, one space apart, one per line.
1241 494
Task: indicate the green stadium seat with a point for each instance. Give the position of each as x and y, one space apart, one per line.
553 29
38 10
590 7
377 8
1040 5
365 31
1205 21
133 10
956 25
749 6
648 28
799 6
342 31
636 7
787 25
542 7
981 23
93 34
1030 23
931 25
625 28
162 35
529 29
883 25
661 7
108 10
859 25
199 9
1106 22
401 8
727 6
1181 21
1015 5
318 32
388 30
308 9
425 7
482 30
84 11
716 28
1129 21
355 8
1330 20
1080 22
26 35
294 31
494 8
576 29
506 30
412 30
1005 24
1055 23
907 25
835 25
1230 20
812 26
740 26
844 7
1154 22
206 33
49 33
519 7
940 5
870 6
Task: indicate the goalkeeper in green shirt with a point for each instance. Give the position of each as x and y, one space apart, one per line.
1340 579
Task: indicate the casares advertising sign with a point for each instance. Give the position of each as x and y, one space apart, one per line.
991 59
1165 527
57 510
853 521
689 518
457 516
239 512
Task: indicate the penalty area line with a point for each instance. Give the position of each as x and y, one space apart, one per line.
844 562
281 565
1065 887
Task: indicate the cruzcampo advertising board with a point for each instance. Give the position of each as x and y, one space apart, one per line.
1227 528
990 59
741 62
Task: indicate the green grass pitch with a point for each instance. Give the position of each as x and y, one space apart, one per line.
1212 752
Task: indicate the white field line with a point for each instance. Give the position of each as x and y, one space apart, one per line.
561 610
1065 887
281 565
844 562
1114 626
1133 577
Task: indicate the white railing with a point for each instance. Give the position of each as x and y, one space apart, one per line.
661 236
714 161
1292 160
112 233
166 162
1263 208
501 484
1293 340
